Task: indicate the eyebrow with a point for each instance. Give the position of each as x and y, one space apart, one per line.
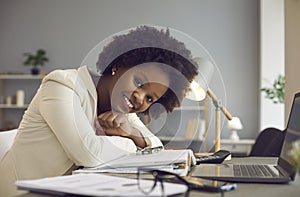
155 95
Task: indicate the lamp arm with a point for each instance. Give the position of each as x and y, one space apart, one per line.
217 103
219 108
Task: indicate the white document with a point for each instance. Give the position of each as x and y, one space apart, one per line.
95 185
164 160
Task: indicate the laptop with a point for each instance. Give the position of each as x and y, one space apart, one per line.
283 172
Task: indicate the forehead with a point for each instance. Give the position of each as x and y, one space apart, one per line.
152 72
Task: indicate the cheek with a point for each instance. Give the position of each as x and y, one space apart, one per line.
145 108
125 84
122 88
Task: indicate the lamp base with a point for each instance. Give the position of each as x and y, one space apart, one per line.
234 136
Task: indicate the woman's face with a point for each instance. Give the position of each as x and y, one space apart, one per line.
135 89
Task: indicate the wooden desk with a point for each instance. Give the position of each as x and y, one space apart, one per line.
244 189
266 190
258 190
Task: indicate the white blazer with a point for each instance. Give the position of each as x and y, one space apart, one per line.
57 132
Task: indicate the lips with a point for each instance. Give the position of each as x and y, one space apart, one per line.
128 103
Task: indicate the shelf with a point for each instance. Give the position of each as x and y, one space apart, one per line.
181 143
240 147
169 138
190 108
20 76
11 114
238 142
4 106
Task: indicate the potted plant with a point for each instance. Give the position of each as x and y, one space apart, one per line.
276 92
35 60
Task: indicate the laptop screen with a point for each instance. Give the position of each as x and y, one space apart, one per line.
292 135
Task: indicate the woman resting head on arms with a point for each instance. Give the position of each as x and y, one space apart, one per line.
81 118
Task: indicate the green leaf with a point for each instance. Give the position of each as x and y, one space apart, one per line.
37 59
276 92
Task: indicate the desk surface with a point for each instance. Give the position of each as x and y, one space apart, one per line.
244 189
267 190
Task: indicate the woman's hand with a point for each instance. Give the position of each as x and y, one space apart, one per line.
116 124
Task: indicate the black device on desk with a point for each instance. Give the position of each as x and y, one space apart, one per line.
217 157
207 185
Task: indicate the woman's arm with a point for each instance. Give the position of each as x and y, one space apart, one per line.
115 124
152 140
62 107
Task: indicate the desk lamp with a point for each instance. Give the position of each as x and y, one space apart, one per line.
199 89
234 125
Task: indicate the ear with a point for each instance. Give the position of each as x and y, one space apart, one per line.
113 70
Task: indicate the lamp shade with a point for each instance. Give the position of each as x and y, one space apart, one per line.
235 124
199 85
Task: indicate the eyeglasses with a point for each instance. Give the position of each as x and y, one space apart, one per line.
148 179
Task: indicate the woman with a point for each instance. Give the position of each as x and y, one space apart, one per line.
82 118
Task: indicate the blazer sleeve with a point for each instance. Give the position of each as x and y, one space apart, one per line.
151 140
62 107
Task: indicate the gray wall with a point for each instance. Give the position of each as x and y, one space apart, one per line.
68 29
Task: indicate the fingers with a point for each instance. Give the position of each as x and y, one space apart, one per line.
114 124
108 120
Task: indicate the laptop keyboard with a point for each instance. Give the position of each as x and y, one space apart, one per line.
253 171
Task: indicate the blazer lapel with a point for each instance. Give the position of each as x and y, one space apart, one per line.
86 75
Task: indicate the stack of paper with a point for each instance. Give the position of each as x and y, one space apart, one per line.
95 185
176 161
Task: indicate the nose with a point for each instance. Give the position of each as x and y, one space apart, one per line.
139 99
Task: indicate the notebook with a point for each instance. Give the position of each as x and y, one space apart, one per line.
175 161
284 171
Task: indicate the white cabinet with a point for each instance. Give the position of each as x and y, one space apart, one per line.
10 112
240 147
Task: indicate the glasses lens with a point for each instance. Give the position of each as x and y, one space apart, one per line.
146 181
157 182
